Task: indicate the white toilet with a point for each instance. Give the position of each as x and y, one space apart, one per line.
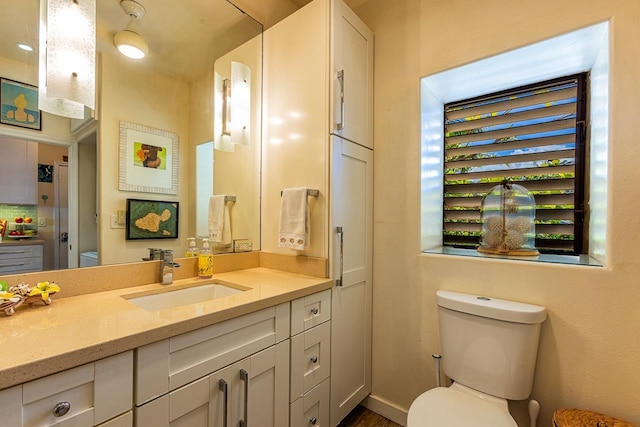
489 348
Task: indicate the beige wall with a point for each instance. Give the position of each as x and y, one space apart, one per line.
133 93
589 354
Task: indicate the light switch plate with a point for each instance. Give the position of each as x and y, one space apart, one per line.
114 221
121 218
42 221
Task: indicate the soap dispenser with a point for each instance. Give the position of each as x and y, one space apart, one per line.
205 260
192 251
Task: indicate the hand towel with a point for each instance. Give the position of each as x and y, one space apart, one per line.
293 229
219 222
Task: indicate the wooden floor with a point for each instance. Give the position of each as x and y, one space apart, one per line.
362 417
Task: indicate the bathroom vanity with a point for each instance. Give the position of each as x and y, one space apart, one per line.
261 353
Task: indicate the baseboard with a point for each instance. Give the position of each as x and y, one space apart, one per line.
386 409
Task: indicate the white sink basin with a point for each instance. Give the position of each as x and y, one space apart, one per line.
185 296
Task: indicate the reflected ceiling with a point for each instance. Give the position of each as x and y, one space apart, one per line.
183 36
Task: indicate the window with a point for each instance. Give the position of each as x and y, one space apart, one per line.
585 50
533 135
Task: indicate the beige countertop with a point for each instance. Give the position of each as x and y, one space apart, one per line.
39 340
7 241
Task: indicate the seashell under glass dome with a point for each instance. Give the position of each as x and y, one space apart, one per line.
508 214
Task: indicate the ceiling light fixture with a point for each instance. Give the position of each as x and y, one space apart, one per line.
67 52
129 41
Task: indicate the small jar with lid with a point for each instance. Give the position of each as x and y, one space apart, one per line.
508 221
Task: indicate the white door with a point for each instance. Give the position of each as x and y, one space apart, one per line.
351 258
352 47
61 216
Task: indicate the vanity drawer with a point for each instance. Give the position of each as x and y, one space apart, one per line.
310 359
20 251
310 311
20 258
166 365
83 396
311 410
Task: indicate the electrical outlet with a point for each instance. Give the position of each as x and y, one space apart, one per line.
242 245
114 221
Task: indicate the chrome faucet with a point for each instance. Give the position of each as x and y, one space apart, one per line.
166 266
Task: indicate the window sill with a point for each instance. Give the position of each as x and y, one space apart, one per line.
546 258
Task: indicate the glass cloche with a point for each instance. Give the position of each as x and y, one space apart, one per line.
508 213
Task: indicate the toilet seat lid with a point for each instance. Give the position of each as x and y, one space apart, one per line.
443 406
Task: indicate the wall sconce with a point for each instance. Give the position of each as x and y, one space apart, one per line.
232 108
129 41
66 75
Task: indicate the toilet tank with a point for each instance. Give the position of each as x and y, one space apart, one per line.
489 344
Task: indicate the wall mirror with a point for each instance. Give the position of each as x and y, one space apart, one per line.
178 89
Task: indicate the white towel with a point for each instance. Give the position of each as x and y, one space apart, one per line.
219 222
293 230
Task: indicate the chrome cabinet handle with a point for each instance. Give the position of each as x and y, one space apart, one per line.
224 387
313 421
244 376
314 359
340 125
341 232
61 409
315 311
13 265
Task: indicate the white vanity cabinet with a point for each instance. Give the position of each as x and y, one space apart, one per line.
16 259
94 394
234 370
310 360
328 84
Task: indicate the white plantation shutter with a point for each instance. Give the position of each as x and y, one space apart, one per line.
533 136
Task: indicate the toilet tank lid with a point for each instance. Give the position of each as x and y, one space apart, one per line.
492 308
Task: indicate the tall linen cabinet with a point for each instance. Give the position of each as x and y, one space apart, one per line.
318 133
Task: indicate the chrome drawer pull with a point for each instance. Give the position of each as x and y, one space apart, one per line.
340 231
244 377
340 125
313 421
61 409
223 386
314 311
314 359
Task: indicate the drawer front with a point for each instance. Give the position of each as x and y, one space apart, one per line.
124 420
20 251
310 359
20 265
92 394
169 364
312 409
310 311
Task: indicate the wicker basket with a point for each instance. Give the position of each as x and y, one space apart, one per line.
581 418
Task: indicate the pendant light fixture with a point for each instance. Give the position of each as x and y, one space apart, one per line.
129 41
66 74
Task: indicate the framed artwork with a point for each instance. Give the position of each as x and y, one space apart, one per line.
151 219
19 104
148 160
45 173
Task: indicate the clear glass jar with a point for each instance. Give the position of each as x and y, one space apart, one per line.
508 227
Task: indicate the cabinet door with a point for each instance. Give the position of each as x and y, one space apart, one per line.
351 266
19 166
268 387
352 47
